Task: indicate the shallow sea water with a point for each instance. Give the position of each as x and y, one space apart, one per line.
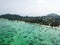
21 33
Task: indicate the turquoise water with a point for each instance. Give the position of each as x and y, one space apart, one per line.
21 33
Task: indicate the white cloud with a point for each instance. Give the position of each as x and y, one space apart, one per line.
30 7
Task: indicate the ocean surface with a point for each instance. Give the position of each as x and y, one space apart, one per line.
22 33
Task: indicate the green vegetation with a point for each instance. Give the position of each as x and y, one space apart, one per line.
50 19
21 33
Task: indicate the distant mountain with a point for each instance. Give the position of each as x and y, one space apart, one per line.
52 19
52 15
11 16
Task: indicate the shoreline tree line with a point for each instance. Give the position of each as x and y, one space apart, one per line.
50 19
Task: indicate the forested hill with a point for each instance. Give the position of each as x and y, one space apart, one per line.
51 19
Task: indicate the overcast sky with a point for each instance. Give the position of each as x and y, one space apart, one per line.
30 7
